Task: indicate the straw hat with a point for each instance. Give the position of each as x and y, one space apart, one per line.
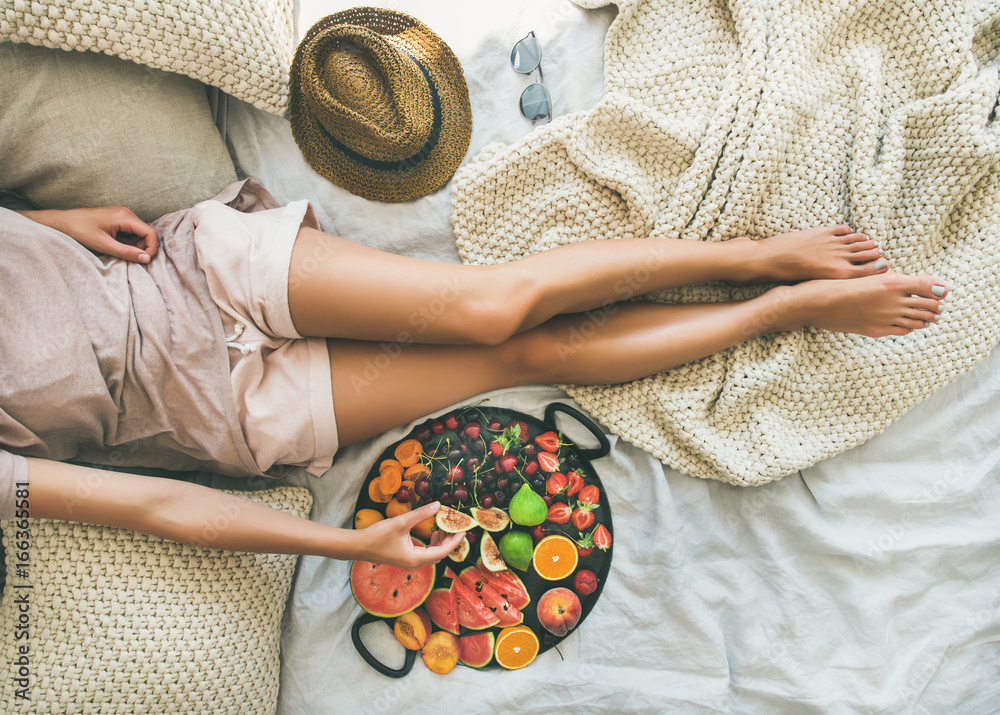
379 104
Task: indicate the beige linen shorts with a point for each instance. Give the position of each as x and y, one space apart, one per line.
281 380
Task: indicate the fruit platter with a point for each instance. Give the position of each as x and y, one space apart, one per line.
537 540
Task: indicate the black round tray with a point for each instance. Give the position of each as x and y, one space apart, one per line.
597 561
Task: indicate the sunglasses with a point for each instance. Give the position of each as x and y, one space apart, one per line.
526 57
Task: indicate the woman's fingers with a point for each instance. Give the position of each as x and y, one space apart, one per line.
148 240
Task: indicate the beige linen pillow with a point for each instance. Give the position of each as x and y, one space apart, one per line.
80 129
119 621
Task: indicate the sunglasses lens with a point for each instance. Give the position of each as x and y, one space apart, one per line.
535 102
526 55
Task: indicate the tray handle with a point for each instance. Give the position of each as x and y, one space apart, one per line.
605 446
360 622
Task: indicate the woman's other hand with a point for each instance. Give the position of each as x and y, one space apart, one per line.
388 541
112 230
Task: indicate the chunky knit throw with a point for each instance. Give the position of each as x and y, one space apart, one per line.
243 47
755 117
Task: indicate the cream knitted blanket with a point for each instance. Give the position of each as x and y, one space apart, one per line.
754 117
243 47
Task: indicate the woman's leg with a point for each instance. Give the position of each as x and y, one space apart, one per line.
341 289
378 387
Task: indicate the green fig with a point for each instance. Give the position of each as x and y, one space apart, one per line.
527 508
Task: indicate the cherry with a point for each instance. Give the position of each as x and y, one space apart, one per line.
404 494
423 434
437 427
502 482
548 499
538 532
455 473
445 498
530 450
422 487
473 463
477 485
454 455
486 500
500 498
461 494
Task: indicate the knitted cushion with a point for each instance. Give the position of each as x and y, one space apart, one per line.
243 47
754 117
122 622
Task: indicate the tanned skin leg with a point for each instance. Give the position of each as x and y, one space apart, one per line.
374 391
338 288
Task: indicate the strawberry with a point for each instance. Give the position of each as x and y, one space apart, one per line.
451 422
556 483
575 483
548 461
496 448
585 546
522 432
582 518
531 468
559 513
590 495
507 463
472 429
549 441
585 582
602 537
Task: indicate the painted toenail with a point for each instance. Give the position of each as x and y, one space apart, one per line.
881 252
926 324
940 307
881 264
938 291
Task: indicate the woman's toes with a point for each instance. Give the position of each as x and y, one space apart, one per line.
929 305
841 230
866 256
922 286
911 323
859 242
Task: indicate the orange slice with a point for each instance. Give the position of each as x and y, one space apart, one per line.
376 493
390 479
516 647
408 452
555 557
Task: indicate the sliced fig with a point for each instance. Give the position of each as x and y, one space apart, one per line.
491 519
490 553
460 552
453 521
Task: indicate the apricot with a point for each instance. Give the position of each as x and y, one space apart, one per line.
424 529
441 651
365 518
396 507
411 630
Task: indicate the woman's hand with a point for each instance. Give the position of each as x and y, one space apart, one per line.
113 230
388 541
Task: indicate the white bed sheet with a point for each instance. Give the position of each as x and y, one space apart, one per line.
867 583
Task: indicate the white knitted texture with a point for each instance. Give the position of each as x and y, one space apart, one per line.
756 117
243 47
122 622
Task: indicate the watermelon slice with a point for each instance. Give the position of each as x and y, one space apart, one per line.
389 591
509 586
475 580
472 612
477 649
442 607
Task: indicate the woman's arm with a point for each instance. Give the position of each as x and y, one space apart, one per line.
98 230
193 514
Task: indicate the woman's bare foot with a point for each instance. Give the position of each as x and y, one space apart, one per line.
876 306
817 253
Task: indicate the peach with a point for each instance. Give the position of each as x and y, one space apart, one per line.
441 652
559 611
411 629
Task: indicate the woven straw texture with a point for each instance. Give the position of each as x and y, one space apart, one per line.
363 113
243 47
756 117
123 622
